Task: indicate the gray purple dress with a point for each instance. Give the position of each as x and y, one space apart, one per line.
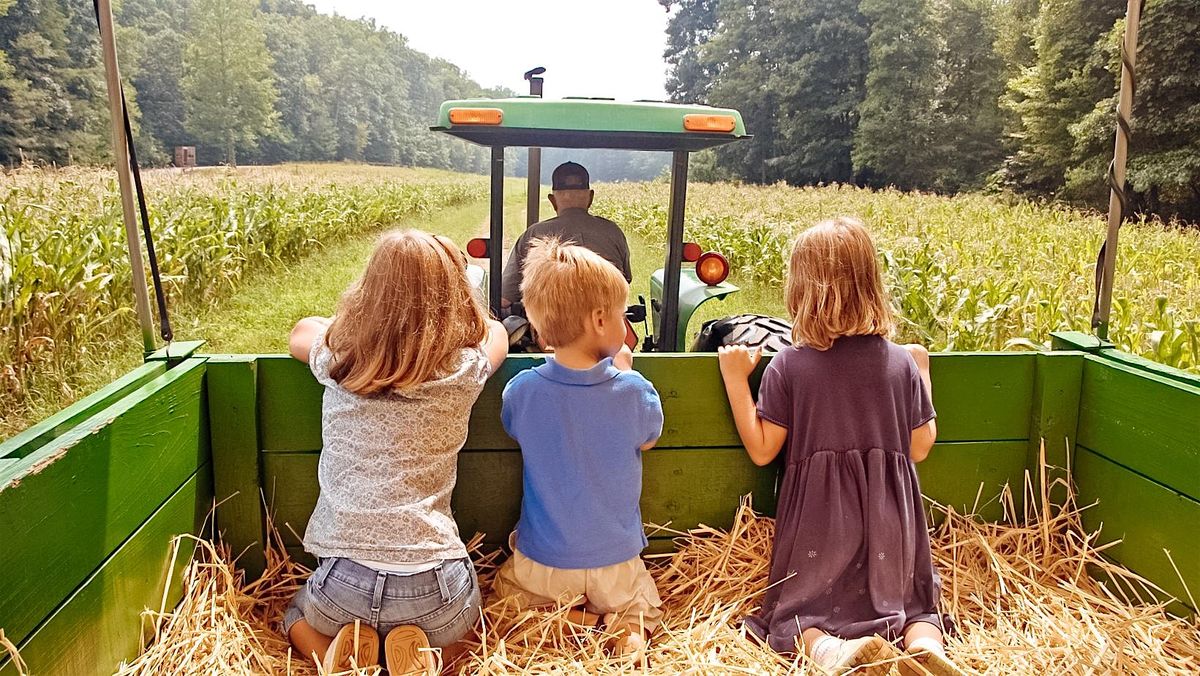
851 553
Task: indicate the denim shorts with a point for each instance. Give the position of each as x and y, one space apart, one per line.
444 601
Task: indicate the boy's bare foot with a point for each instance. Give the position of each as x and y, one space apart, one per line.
355 645
407 653
630 646
579 622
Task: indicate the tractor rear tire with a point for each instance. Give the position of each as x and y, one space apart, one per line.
769 333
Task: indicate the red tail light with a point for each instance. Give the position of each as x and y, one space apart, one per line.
691 252
478 247
712 268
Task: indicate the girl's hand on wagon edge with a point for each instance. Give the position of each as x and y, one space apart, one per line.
738 361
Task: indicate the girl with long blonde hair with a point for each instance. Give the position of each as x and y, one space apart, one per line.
402 360
851 569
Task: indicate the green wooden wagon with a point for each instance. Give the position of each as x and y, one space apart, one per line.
91 497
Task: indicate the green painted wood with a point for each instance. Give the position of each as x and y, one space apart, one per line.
1146 517
1143 421
1153 367
47 430
93 486
979 397
232 391
1077 340
100 623
682 487
970 475
289 405
176 352
1058 383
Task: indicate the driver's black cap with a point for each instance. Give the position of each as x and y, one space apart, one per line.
570 176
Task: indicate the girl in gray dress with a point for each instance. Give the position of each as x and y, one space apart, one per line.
851 569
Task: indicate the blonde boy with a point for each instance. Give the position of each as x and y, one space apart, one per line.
582 423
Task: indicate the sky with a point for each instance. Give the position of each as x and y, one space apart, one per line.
608 48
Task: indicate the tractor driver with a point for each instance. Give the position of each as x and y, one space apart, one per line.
571 198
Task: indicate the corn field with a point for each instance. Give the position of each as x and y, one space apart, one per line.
970 272
64 270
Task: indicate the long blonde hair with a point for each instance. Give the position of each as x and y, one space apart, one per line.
834 285
407 318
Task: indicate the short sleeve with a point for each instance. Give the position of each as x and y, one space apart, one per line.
920 406
508 402
650 405
320 359
775 396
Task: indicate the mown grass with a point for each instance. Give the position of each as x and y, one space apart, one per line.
66 324
966 273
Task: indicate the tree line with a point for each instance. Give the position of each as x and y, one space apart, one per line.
243 80
946 95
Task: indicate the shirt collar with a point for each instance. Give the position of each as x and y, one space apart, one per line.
603 371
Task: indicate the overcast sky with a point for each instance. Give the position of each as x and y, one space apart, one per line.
597 48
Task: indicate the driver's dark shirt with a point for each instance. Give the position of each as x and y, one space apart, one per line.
572 225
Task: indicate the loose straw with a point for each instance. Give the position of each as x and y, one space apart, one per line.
1027 595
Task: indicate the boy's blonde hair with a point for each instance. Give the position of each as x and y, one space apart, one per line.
834 285
563 284
407 318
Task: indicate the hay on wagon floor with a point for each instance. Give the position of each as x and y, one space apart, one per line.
1025 594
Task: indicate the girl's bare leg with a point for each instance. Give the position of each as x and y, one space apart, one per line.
308 641
918 630
811 636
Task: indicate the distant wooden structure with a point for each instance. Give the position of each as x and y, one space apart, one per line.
185 157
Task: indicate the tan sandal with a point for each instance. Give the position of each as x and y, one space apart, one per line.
355 645
407 653
867 656
926 663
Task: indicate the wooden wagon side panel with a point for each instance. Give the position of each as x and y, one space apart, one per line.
89 517
698 471
1138 459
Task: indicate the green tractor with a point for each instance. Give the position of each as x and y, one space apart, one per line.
676 292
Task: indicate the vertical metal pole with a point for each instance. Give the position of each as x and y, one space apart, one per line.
533 188
116 113
669 320
1117 199
496 231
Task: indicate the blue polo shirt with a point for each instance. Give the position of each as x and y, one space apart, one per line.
580 433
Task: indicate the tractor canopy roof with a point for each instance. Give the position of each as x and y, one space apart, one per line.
589 123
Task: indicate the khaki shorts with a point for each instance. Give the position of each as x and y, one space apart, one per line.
621 591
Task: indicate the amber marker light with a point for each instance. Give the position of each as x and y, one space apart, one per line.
712 268
478 248
476 116
712 123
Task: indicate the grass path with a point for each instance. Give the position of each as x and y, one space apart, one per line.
259 315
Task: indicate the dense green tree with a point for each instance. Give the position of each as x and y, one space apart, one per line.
1060 89
1165 164
819 66
967 123
17 102
893 142
228 86
51 47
